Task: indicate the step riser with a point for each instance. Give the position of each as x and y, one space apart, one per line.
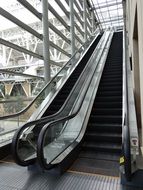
106 83
112 75
109 93
110 80
108 99
102 119
94 139
105 129
103 149
110 88
113 105
108 112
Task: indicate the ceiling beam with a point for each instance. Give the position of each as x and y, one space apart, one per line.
112 20
107 5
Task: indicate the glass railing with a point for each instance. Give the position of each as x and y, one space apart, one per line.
27 132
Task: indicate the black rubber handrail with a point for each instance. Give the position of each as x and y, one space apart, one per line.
43 121
42 135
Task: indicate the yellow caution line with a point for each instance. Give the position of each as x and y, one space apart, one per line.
86 173
2 161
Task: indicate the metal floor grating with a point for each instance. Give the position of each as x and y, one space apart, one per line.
13 177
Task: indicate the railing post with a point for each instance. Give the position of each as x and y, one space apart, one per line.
85 19
93 22
46 43
72 31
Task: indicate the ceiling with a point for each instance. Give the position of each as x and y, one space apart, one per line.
109 12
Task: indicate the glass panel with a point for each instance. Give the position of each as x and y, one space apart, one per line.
57 138
27 140
26 145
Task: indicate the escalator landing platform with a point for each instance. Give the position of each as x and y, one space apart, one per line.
13 177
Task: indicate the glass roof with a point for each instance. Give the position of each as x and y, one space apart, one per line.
110 12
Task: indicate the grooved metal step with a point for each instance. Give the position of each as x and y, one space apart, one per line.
100 127
110 119
110 88
102 147
102 111
108 105
109 93
107 79
103 137
109 99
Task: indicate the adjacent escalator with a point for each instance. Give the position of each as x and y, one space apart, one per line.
24 143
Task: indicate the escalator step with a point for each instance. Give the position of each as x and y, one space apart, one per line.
108 99
103 137
108 82
112 68
108 88
108 105
105 119
112 74
114 65
102 111
111 79
99 155
100 127
102 147
109 93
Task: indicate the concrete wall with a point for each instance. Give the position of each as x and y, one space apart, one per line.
134 11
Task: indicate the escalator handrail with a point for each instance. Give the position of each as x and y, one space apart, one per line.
42 120
41 138
125 118
48 84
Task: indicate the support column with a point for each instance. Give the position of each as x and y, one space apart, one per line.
27 88
72 32
8 88
46 44
85 19
93 22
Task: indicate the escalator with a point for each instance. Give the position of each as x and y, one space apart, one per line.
24 149
100 148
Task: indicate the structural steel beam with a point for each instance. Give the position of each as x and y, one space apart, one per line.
30 8
72 31
46 41
109 5
20 49
19 74
59 49
113 19
13 19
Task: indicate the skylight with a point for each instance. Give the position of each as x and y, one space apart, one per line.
110 12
